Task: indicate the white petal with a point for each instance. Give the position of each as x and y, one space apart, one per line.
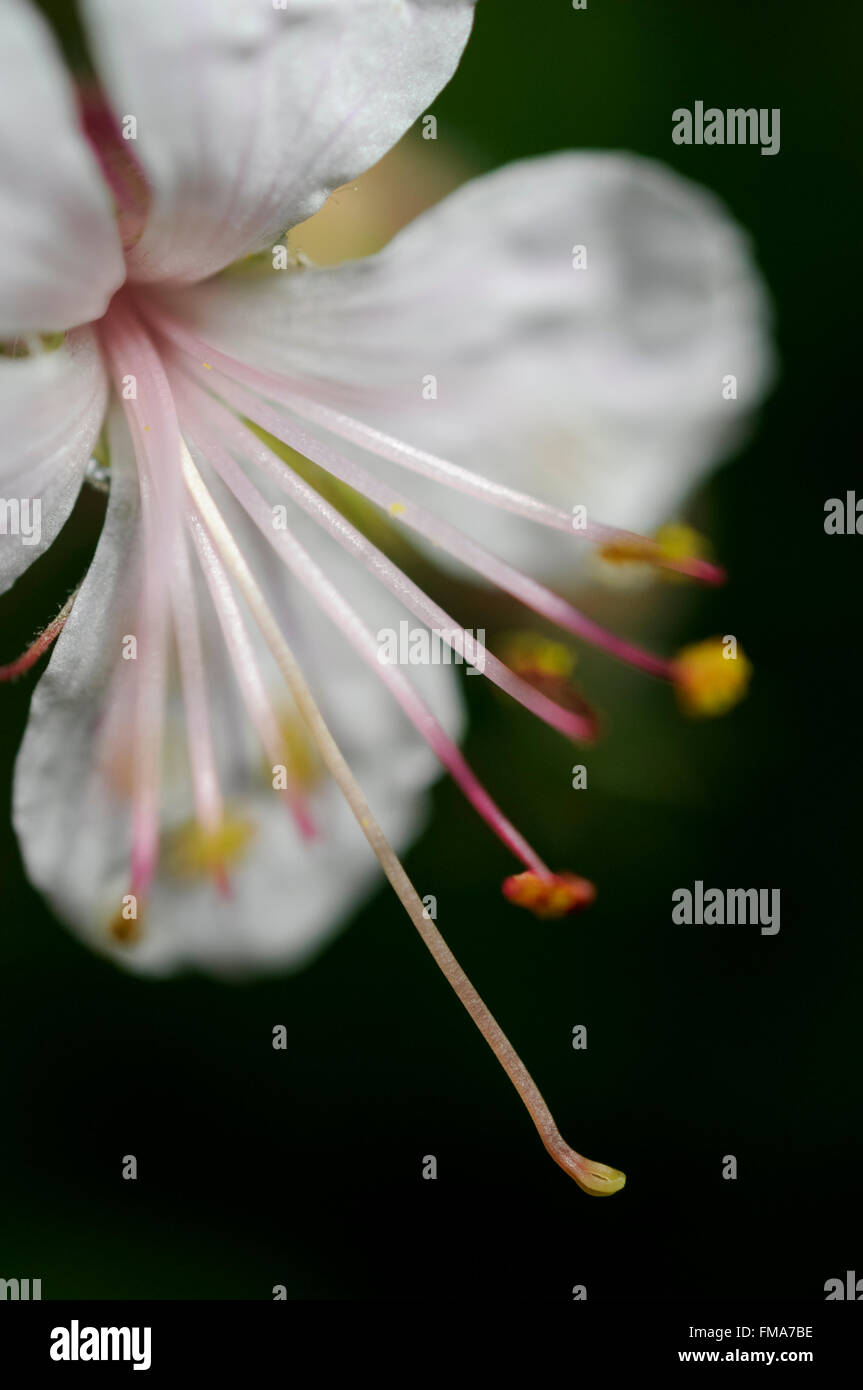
288 896
59 247
63 826
248 115
51 411
600 386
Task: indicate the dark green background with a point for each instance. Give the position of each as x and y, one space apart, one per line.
302 1167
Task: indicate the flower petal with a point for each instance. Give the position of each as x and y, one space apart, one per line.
51 410
250 114
600 386
287 894
59 246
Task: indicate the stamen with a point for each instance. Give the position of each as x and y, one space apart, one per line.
195 851
129 351
677 541
125 930
579 725
552 898
537 657
31 344
298 399
247 671
39 647
674 544
710 677
328 597
528 591
595 1178
547 667
301 755
202 759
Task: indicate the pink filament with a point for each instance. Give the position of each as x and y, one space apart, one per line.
303 403
167 585
245 665
535 595
226 426
344 616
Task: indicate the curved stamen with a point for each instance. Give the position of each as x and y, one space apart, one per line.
209 806
245 667
166 587
595 1178
433 528
301 400
149 704
250 447
328 597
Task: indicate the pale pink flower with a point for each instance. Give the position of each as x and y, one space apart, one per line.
468 366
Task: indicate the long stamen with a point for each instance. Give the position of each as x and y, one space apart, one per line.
150 707
328 597
528 591
206 791
303 404
39 647
592 1177
227 426
246 668
154 432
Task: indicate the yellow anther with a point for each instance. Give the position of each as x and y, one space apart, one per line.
31 344
531 654
710 677
397 509
196 852
678 541
673 544
124 929
300 755
629 551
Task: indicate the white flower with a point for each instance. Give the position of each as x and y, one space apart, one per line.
562 327
287 104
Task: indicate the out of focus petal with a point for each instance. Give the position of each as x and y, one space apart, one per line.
248 115
59 248
474 335
51 409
